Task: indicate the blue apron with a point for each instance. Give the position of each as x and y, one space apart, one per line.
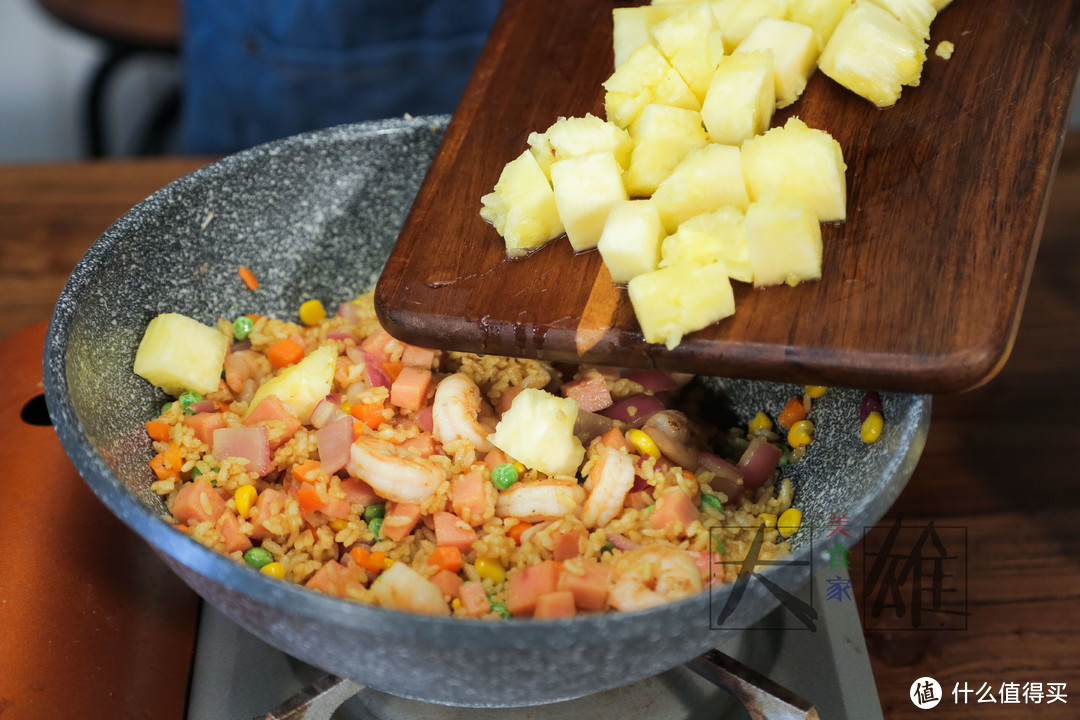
256 70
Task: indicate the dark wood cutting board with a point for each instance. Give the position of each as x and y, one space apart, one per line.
922 287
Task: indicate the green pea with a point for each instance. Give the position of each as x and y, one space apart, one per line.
785 458
375 526
501 609
165 407
374 511
503 476
187 399
711 502
257 557
241 327
195 472
608 547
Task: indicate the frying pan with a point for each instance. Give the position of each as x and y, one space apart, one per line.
314 216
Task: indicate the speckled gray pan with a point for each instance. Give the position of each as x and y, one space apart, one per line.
315 216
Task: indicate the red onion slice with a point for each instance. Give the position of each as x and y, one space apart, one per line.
334 441
634 410
759 462
251 443
653 380
326 411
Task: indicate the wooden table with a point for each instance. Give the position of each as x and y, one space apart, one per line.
1000 460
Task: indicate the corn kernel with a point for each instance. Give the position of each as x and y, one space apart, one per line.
388 563
641 440
346 407
274 570
815 391
789 522
801 433
760 422
768 519
520 468
456 604
871 427
338 525
244 497
312 312
490 569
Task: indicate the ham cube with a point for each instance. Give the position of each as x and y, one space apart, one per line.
614 438
449 582
425 420
270 503
197 502
494 458
272 412
204 424
528 584
413 356
234 540
474 599
359 492
400 520
558 604
506 399
469 495
590 590
336 579
566 544
423 444
591 393
452 531
249 443
409 390
671 507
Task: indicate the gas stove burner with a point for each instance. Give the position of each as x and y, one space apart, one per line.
239 677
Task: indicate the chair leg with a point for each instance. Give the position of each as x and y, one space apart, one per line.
95 99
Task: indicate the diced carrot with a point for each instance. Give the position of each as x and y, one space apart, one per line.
304 472
449 582
516 531
160 467
558 604
309 499
371 414
590 590
376 561
358 430
249 278
392 368
409 388
792 413
671 507
614 438
528 584
157 430
565 544
173 459
446 557
400 520
181 527
474 599
360 555
452 531
284 353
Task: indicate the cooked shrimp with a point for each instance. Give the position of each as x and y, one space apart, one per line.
610 480
244 372
455 412
402 588
651 576
540 500
394 472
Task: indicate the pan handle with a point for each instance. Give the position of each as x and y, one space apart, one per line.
317 701
763 698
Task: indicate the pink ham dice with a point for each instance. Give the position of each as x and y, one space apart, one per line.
197 503
671 507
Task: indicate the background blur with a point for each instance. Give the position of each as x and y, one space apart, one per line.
45 68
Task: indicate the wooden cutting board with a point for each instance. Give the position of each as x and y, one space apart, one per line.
922 286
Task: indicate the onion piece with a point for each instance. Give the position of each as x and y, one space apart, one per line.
727 478
871 402
653 380
373 372
425 419
340 335
670 430
759 462
590 425
334 441
250 443
326 411
350 311
203 406
621 542
635 409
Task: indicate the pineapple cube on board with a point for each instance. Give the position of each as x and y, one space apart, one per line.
631 27
821 15
179 353
303 385
709 237
663 136
676 300
645 78
784 240
576 136
586 188
801 162
686 40
915 14
939 5
737 18
873 54
710 177
741 98
522 206
538 431
794 50
630 243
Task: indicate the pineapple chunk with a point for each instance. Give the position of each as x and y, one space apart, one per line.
873 54
939 5
522 207
710 237
801 162
573 137
676 300
915 14
685 40
630 243
178 353
737 18
645 78
631 27
586 188
663 136
741 98
708 178
821 15
784 238
794 49
538 431
301 386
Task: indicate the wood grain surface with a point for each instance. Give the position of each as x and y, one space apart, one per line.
922 287
148 24
999 460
